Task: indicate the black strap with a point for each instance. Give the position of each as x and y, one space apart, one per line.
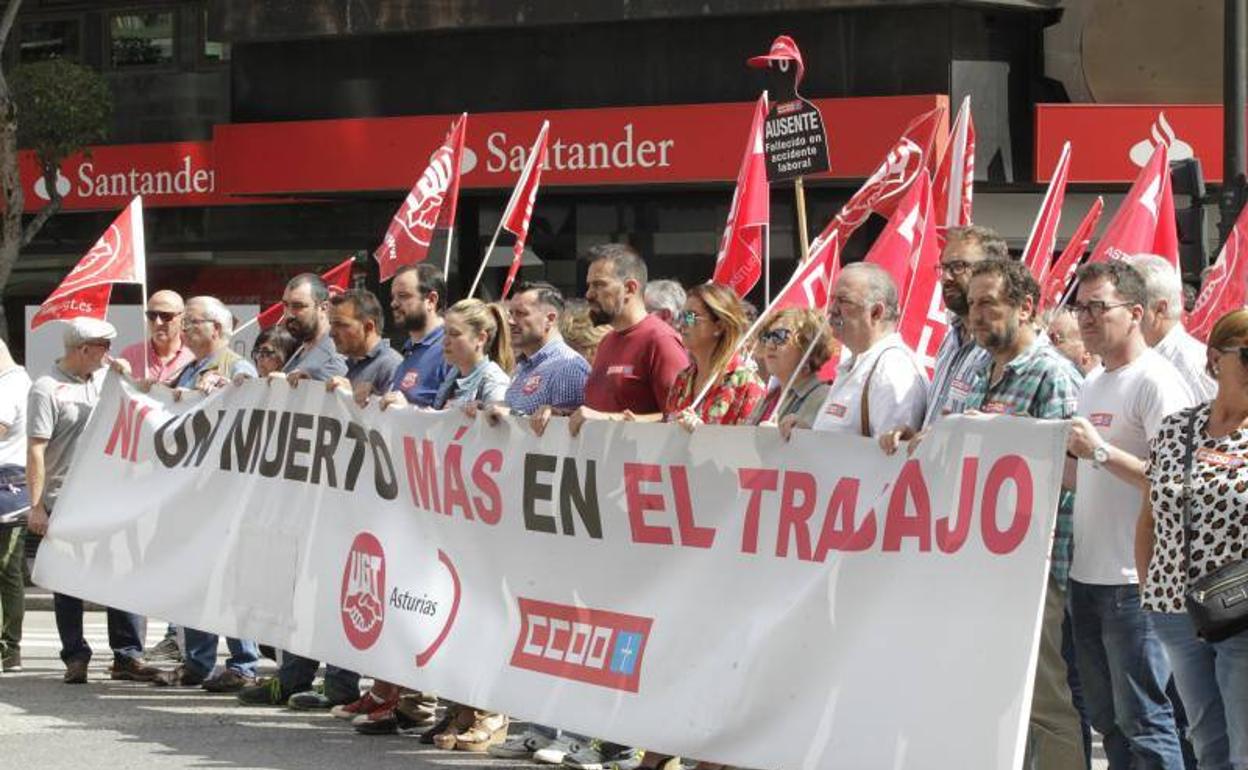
1189 451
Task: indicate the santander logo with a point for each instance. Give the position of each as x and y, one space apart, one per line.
1160 133
362 601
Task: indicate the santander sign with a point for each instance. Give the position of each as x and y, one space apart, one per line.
172 174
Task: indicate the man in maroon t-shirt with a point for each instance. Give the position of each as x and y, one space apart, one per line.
639 359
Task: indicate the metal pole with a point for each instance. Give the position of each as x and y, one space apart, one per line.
1234 104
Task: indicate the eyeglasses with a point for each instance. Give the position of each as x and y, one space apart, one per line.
260 353
687 318
954 268
1242 351
775 337
1096 308
161 315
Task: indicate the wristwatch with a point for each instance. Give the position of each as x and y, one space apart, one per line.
1100 455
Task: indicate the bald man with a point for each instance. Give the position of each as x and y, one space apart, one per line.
166 355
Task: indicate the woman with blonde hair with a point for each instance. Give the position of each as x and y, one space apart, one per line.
477 343
712 324
784 340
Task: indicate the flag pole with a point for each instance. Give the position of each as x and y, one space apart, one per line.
799 192
486 259
446 262
767 266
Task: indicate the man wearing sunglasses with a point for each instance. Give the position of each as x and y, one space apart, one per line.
1118 655
164 354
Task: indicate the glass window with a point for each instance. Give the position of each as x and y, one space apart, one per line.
55 39
141 39
215 49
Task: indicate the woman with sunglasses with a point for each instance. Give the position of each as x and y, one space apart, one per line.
1211 677
274 346
785 339
711 325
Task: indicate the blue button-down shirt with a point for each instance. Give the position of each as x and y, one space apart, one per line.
553 376
423 369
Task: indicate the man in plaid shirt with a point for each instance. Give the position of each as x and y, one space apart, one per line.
1026 376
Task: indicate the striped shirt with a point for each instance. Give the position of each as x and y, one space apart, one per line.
956 361
553 376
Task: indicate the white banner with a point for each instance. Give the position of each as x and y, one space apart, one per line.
724 596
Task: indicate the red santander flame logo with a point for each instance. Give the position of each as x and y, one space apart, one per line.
362 601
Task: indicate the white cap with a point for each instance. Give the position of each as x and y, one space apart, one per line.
83 330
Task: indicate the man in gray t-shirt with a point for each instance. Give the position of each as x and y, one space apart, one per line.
59 407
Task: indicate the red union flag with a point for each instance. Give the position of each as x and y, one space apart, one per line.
1226 283
811 284
429 206
1145 222
1058 278
1038 255
118 256
519 211
337 279
742 249
955 179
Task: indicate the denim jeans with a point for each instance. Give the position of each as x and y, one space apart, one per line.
1124 672
201 653
1076 687
296 674
125 631
1213 682
12 590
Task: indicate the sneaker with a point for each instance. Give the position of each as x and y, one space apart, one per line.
388 721
554 752
166 649
265 692
522 746
76 671
228 680
12 663
367 703
133 670
604 756
178 677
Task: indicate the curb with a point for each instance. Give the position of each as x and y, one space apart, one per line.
39 600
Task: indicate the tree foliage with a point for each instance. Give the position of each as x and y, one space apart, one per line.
62 107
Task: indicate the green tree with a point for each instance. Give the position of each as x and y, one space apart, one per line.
63 107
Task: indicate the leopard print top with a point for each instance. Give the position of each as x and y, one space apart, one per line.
1219 507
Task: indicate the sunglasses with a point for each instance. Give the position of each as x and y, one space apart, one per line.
776 337
687 318
1242 351
161 315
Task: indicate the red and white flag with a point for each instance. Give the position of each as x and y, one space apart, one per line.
908 249
519 211
1226 283
1063 270
1038 254
119 256
955 179
337 279
742 249
1145 222
429 206
811 284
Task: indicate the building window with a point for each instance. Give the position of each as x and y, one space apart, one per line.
141 39
216 50
52 39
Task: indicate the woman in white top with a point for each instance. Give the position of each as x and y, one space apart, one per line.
478 344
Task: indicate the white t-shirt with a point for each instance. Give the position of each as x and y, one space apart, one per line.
897 393
1126 406
14 391
1189 356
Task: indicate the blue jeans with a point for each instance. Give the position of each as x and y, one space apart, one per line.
1124 671
1213 682
1076 687
125 631
201 653
297 672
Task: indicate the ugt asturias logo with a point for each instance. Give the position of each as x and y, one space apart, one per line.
362 601
586 645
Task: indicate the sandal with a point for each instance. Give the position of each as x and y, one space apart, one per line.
487 729
463 719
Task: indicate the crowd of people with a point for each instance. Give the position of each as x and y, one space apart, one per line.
1117 653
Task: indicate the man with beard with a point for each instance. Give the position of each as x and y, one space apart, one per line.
1025 376
164 352
305 305
958 356
417 297
638 361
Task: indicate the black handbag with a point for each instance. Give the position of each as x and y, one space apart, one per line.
1218 602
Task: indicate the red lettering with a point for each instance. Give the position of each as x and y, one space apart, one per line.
126 431
453 482
489 504
638 503
1009 468
757 480
842 536
422 474
794 515
950 537
899 523
691 534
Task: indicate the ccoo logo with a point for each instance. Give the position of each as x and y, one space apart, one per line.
362 601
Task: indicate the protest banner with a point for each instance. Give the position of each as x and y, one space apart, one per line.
723 594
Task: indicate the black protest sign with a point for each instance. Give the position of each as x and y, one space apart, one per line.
794 140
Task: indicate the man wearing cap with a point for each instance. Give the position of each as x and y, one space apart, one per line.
163 355
59 407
